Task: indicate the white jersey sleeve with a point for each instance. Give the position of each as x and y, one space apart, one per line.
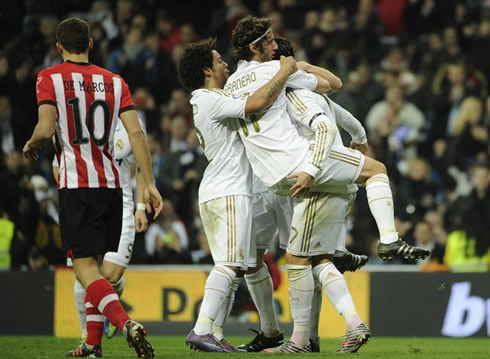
303 107
348 122
221 105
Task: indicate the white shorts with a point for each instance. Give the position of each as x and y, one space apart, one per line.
272 214
343 167
126 242
228 225
319 224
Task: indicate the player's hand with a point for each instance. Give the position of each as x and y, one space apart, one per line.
30 152
141 221
289 63
303 184
302 65
361 148
153 200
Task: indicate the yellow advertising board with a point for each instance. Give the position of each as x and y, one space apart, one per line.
175 296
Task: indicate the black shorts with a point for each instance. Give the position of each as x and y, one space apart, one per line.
90 221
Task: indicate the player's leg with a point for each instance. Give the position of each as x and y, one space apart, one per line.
79 295
347 166
272 216
115 263
298 264
227 225
336 289
380 199
220 321
94 228
316 307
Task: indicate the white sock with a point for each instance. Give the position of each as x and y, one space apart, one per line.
261 289
301 287
79 294
215 293
316 307
380 201
119 286
337 291
219 322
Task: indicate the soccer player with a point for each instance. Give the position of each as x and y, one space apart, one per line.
280 156
81 103
225 190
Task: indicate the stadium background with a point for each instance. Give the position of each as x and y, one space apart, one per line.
415 73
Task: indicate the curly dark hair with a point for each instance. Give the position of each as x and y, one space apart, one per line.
246 31
196 57
74 35
284 48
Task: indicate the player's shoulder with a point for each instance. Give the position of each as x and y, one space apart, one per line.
208 95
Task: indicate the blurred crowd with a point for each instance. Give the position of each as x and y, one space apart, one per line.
415 73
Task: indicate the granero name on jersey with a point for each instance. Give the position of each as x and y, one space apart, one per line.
241 82
88 86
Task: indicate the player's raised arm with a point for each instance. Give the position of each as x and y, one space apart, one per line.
334 82
268 93
137 138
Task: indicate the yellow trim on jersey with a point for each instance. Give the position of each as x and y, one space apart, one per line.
221 92
319 152
296 102
231 228
344 158
309 222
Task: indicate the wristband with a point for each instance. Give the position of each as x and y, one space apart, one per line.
141 207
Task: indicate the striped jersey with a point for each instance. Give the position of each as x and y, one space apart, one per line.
215 118
271 140
88 100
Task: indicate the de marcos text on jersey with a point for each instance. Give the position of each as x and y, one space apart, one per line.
88 86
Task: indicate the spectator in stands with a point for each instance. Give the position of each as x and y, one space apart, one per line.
468 244
12 244
166 241
424 238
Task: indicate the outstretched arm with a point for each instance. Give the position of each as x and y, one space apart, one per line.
334 81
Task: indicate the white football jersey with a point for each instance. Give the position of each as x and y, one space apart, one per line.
271 140
215 118
305 104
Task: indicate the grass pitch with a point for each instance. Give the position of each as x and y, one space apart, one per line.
35 347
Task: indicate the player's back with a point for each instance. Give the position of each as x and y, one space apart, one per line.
228 171
270 138
302 106
88 99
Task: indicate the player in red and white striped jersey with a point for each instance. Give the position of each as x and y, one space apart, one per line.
80 104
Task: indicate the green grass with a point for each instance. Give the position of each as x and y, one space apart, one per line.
34 347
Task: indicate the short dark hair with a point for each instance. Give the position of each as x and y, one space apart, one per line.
247 30
74 35
284 48
195 58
